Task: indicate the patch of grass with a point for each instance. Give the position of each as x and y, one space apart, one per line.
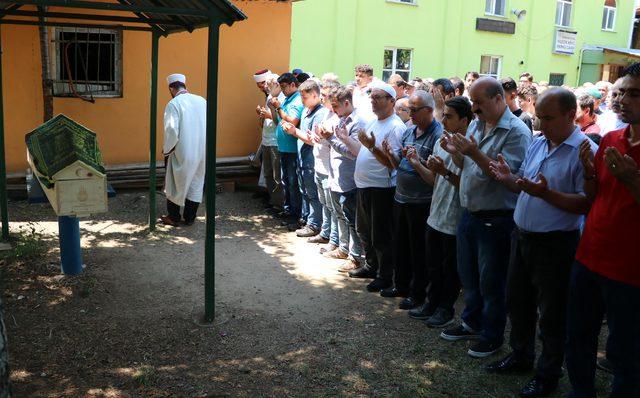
28 246
145 375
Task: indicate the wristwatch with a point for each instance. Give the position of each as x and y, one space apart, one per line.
448 175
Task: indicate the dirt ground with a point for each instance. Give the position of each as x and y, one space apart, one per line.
287 323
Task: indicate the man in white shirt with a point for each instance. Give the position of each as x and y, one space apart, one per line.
185 126
375 178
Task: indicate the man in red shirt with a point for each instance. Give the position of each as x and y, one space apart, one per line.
586 117
606 275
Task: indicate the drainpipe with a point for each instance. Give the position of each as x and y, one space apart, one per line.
579 67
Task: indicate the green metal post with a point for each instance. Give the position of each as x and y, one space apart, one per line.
4 213
210 175
153 122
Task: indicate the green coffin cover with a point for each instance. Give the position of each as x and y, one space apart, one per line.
58 143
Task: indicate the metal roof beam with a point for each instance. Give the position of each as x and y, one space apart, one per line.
89 17
74 25
113 7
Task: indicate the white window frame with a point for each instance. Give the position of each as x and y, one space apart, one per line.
610 10
394 58
492 6
492 57
564 4
406 2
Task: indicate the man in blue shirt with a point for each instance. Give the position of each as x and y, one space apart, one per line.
548 215
484 230
289 111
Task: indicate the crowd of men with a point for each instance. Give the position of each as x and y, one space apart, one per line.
522 196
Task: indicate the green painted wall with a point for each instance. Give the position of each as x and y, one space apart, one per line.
335 35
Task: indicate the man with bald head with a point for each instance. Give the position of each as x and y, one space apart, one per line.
412 203
484 231
402 110
548 216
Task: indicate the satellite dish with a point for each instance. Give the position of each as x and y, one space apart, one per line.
520 14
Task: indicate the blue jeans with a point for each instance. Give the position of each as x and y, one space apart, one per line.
329 228
345 204
311 206
483 246
292 198
590 297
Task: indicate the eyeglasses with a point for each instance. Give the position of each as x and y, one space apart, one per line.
416 110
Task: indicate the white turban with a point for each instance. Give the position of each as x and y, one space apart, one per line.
176 77
262 75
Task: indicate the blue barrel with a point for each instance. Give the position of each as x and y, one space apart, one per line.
69 235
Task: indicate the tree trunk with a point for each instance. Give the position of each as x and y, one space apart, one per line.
47 83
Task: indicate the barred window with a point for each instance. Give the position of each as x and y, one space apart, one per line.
87 63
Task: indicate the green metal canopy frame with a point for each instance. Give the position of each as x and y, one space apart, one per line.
160 18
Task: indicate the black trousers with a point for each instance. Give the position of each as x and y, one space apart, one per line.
410 252
374 224
190 210
538 282
442 270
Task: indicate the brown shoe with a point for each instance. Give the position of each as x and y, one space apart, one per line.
318 239
349 265
166 220
328 248
337 254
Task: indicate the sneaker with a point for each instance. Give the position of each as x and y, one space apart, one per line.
378 284
328 248
460 332
337 254
318 239
482 349
423 312
441 318
349 265
306 232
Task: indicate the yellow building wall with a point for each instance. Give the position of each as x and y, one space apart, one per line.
122 124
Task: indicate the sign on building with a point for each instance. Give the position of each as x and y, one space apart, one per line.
565 42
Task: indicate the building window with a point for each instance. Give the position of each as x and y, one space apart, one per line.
87 63
556 79
563 13
490 65
609 15
495 7
397 60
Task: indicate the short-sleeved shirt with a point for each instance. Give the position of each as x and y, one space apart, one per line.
292 107
269 126
370 173
322 150
609 244
410 187
563 171
592 128
343 162
310 119
445 202
511 138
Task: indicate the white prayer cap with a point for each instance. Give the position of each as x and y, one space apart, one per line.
176 77
262 75
384 87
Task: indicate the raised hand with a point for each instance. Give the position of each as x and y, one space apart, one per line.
586 157
404 149
412 156
288 128
624 168
500 169
369 141
464 145
533 188
274 102
436 164
446 142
